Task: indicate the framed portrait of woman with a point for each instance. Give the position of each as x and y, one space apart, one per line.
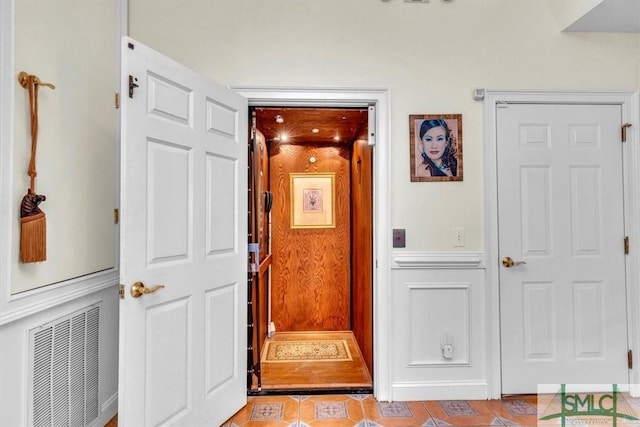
435 147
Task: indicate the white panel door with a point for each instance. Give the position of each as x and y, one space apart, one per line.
183 226
560 209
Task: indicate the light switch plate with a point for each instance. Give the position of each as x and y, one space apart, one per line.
458 237
399 238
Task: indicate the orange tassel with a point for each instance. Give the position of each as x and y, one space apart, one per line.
33 238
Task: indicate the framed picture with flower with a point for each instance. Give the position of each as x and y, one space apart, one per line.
312 200
435 147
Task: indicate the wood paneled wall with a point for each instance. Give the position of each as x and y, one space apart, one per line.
264 237
310 267
362 248
259 229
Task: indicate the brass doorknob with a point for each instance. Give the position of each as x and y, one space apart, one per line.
138 289
508 262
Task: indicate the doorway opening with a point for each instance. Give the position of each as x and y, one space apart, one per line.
311 249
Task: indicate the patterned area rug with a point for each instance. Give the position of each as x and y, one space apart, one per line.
306 351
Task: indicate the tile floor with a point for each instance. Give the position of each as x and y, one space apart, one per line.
362 410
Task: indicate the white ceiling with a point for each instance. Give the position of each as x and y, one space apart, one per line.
613 16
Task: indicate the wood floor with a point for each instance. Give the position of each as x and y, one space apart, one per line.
319 375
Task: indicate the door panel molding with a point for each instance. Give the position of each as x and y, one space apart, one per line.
630 105
174 236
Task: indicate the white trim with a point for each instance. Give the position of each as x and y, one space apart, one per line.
122 30
440 390
38 300
7 89
631 150
316 97
336 97
437 260
630 113
110 406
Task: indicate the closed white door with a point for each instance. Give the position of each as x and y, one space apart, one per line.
183 226
560 209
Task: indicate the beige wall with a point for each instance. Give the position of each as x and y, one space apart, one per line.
71 44
430 56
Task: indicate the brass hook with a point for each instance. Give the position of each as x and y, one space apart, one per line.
23 78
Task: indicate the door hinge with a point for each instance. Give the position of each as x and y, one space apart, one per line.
624 131
121 291
117 100
132 85
626 245
630 359
116 216
501 104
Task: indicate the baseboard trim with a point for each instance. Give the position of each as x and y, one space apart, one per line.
448 390
109 413
110 406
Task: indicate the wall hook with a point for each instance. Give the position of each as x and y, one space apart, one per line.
23 78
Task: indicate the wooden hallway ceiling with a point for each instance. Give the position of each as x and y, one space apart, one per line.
304 125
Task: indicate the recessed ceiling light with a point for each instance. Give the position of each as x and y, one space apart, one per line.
315 130
279 119
336 138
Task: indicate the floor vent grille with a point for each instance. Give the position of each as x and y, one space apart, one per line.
65 370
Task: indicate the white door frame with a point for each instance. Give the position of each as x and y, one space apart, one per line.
630 103
313 97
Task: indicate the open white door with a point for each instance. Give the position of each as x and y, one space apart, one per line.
184 227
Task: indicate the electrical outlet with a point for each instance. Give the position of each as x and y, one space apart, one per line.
458 237
447 351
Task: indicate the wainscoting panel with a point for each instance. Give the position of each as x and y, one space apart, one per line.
59 359
438 321
439 326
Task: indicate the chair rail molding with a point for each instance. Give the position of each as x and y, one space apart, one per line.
438 260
